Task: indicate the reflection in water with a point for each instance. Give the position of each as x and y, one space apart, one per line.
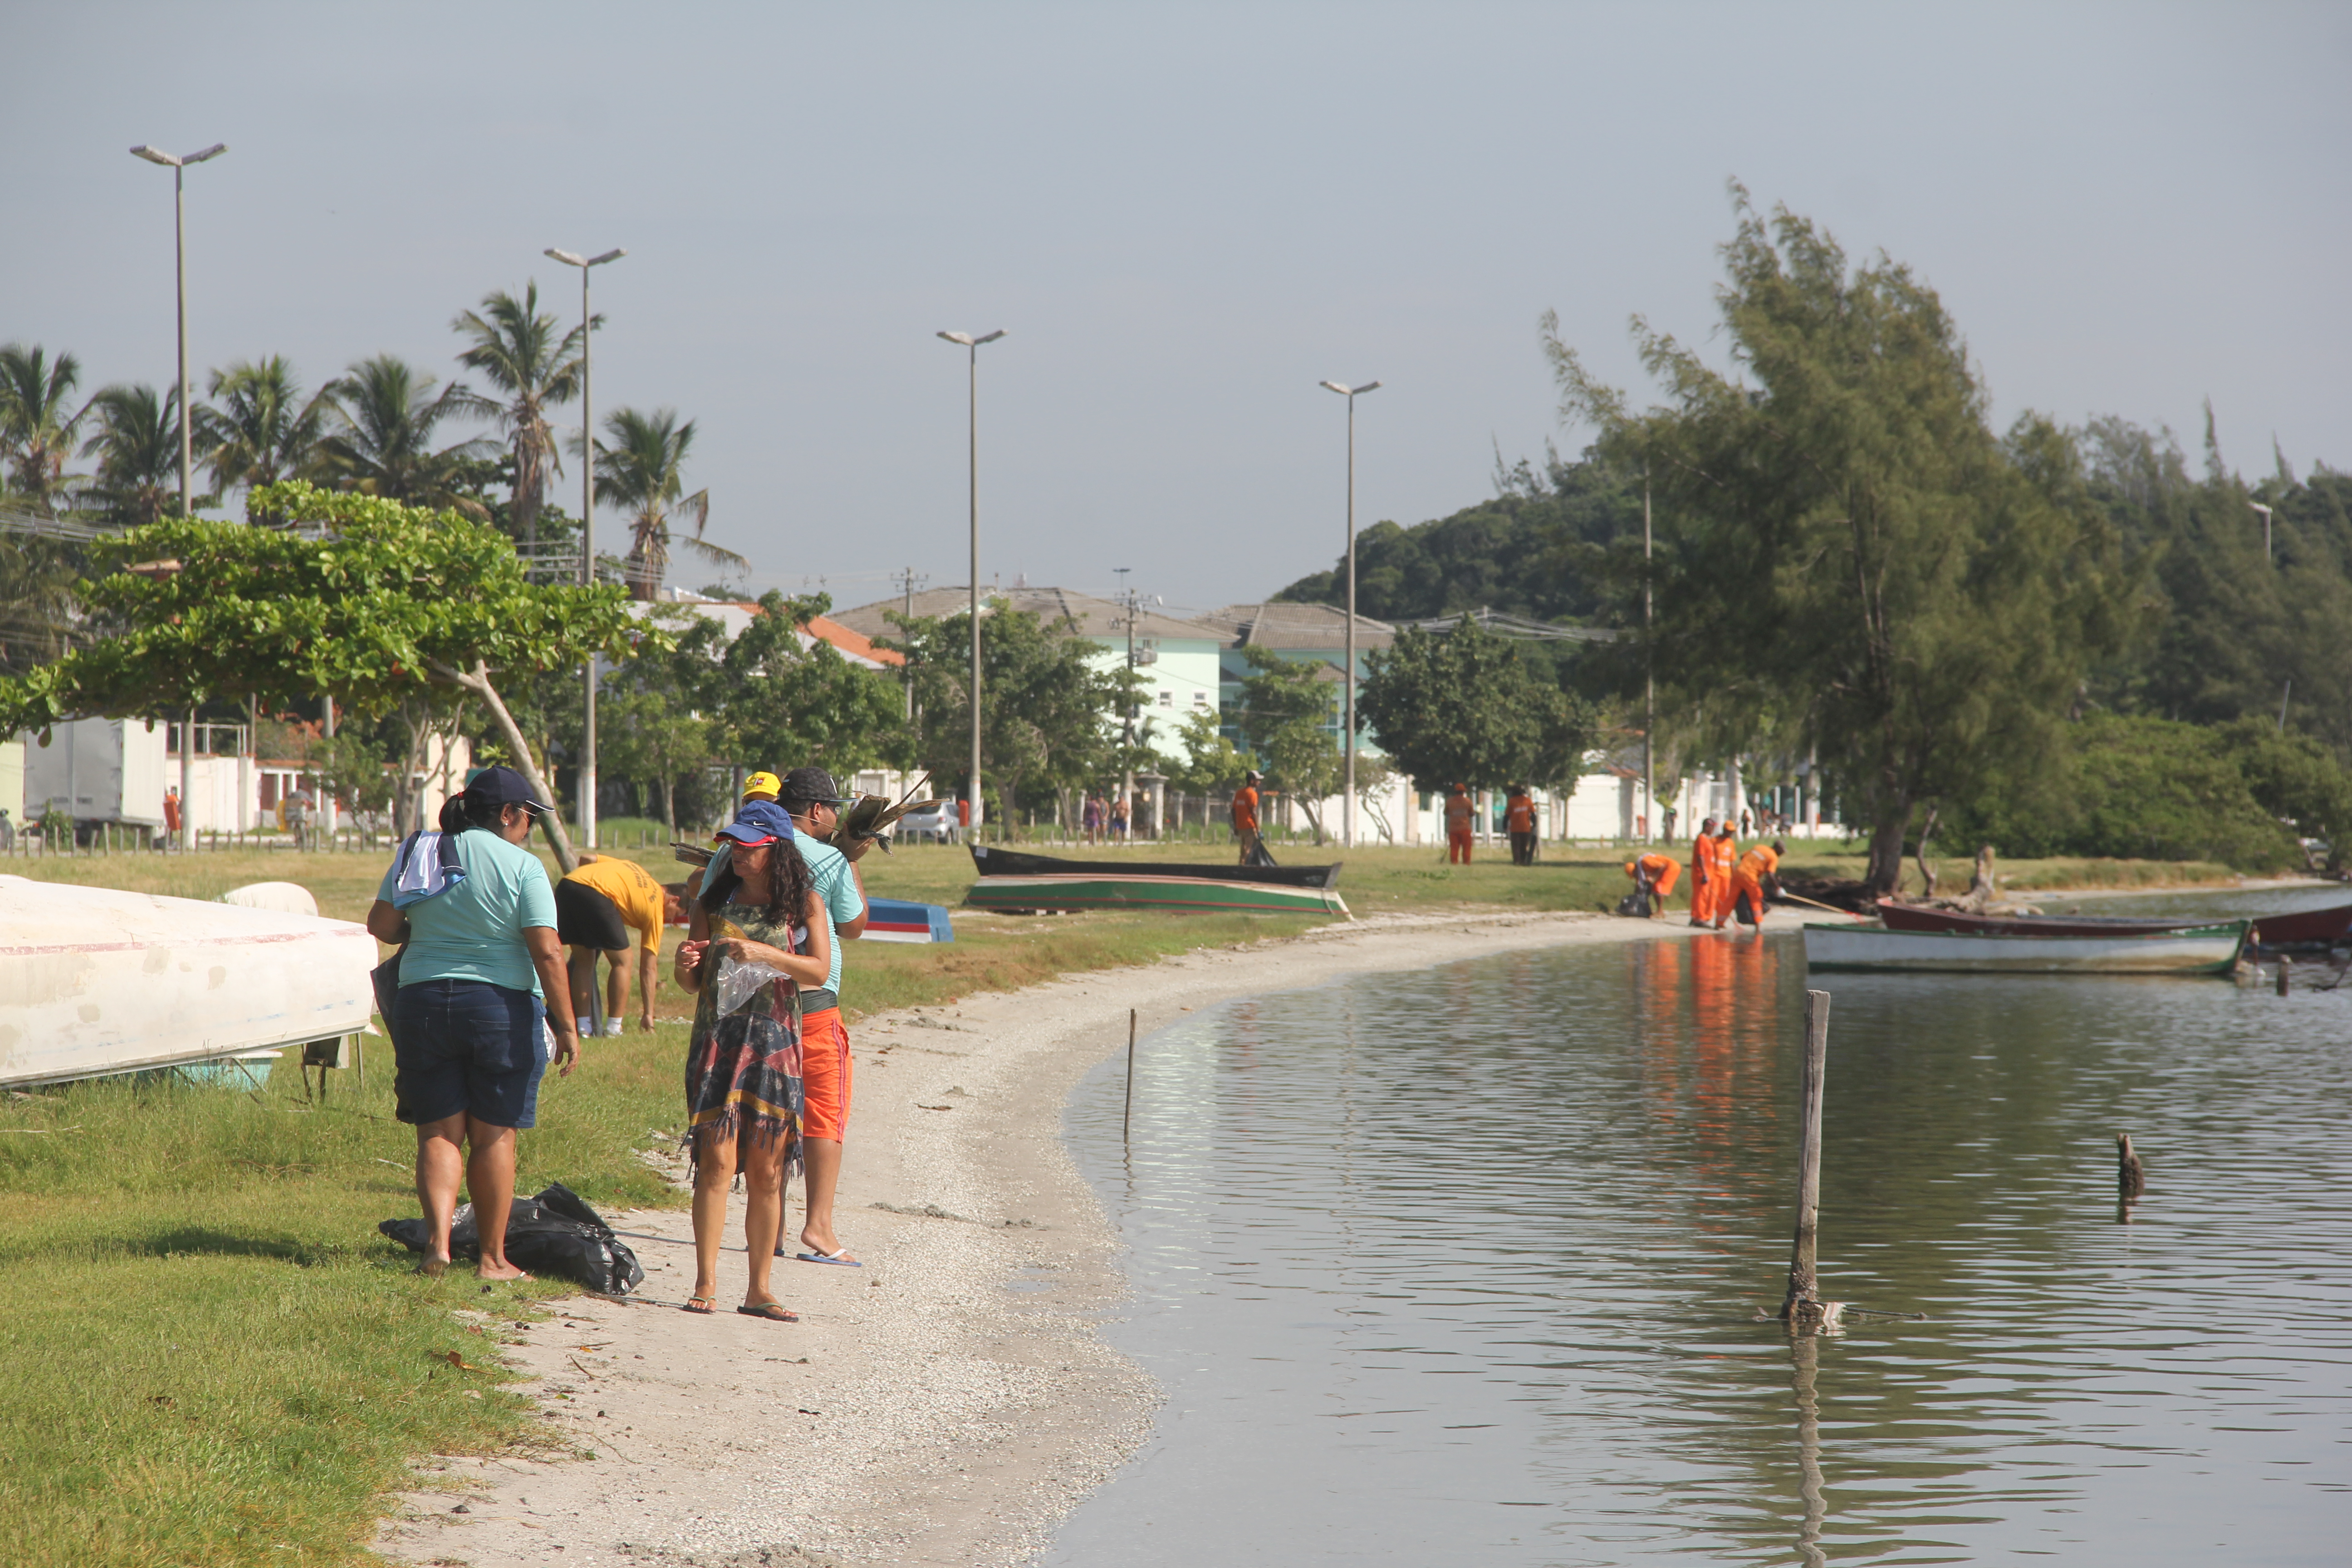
1465 1266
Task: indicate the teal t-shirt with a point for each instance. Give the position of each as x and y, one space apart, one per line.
836 890
474 930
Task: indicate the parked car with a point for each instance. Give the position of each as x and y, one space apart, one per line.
932 825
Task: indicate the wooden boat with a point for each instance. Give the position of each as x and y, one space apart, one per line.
94 980
2318 928
1019 883
2211 949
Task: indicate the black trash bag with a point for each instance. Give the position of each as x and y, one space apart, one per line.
1635 903
555 1233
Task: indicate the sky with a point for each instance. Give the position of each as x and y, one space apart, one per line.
1185 218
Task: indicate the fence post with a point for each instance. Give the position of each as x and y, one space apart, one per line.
1803 1310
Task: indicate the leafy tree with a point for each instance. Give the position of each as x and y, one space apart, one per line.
259 427
2294 780
654 721
1049 719
137 445
388 602
1462 707
1286 711
642 472
38 420
1211 762
783 705
40 620
1850 557
522 352
386 415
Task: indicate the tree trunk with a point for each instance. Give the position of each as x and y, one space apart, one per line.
1926 871
1885 873
669 804
478 681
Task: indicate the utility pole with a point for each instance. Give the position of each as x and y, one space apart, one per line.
907 581
1126 762
1649 681
972 343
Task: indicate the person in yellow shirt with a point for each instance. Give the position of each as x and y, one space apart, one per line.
597 909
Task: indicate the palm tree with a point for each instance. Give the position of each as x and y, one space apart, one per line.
37 434
259 428
137 450
517 350
639 472
386 414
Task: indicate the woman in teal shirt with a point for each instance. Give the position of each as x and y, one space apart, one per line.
481 980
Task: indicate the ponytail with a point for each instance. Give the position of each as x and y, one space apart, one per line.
458 814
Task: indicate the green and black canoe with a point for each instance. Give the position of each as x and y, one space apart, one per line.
1015 883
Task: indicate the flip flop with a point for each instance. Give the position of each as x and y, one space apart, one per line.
771 1310
710 1305
839 1260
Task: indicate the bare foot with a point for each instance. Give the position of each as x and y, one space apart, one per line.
434 1268
500 1270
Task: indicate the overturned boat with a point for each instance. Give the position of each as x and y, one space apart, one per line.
1015 883
94 980
2317 929
2211 949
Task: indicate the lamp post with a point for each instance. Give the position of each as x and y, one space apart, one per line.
587 540
1649 682
1347 801
180 265
972 344
2266 526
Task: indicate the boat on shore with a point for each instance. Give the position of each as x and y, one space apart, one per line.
1013 882
95 982
2320 927
2214 948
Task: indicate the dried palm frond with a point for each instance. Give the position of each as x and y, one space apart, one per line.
866 819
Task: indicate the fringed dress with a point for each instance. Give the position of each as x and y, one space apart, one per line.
743 1070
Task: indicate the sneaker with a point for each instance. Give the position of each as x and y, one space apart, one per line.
611 1028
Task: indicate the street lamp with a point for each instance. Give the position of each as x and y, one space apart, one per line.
2266 526
1347 801
180 264
587 540
972 344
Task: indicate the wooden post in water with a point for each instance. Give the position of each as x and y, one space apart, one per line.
1127 1123
2285 975
1803 1310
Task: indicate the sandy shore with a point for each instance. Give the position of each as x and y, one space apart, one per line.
923 1411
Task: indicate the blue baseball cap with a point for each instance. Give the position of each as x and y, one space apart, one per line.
757 822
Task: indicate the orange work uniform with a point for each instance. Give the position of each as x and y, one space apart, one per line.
1458 812
1662 872
1704 891
1722 864
1246 823
1747 884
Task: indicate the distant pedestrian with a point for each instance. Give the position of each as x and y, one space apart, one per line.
1519 821
1245 829
1119 818
297 819
171 811
482 997
7 831
1092 820
963 820
1458 814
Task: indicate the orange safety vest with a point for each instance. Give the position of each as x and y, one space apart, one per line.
1519 814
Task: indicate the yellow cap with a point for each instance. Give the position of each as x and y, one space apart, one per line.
763 787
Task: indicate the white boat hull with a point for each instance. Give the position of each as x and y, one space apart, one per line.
2203 949
95 981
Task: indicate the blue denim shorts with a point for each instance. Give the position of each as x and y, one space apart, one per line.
470 1046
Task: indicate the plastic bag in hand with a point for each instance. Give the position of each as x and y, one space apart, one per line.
738 983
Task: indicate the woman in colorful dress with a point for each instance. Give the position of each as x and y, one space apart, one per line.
743 1066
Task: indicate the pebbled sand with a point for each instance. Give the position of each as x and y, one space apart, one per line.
939 1415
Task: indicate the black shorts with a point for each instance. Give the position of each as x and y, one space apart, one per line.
586 917
467 1045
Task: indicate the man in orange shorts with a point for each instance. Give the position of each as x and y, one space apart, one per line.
813 801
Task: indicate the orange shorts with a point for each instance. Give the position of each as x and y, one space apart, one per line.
824 1075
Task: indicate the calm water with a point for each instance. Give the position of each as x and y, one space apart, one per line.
1460 1266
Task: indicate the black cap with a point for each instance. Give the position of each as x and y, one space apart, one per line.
811 786
502 787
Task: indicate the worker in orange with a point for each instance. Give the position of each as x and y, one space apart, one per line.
1753 880
1702 864
1654 874
1722 865
1245 819
1519 821
1458 812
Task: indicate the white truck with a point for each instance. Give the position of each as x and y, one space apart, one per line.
103 772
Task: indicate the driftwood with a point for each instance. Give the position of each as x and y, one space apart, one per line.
2131 1176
